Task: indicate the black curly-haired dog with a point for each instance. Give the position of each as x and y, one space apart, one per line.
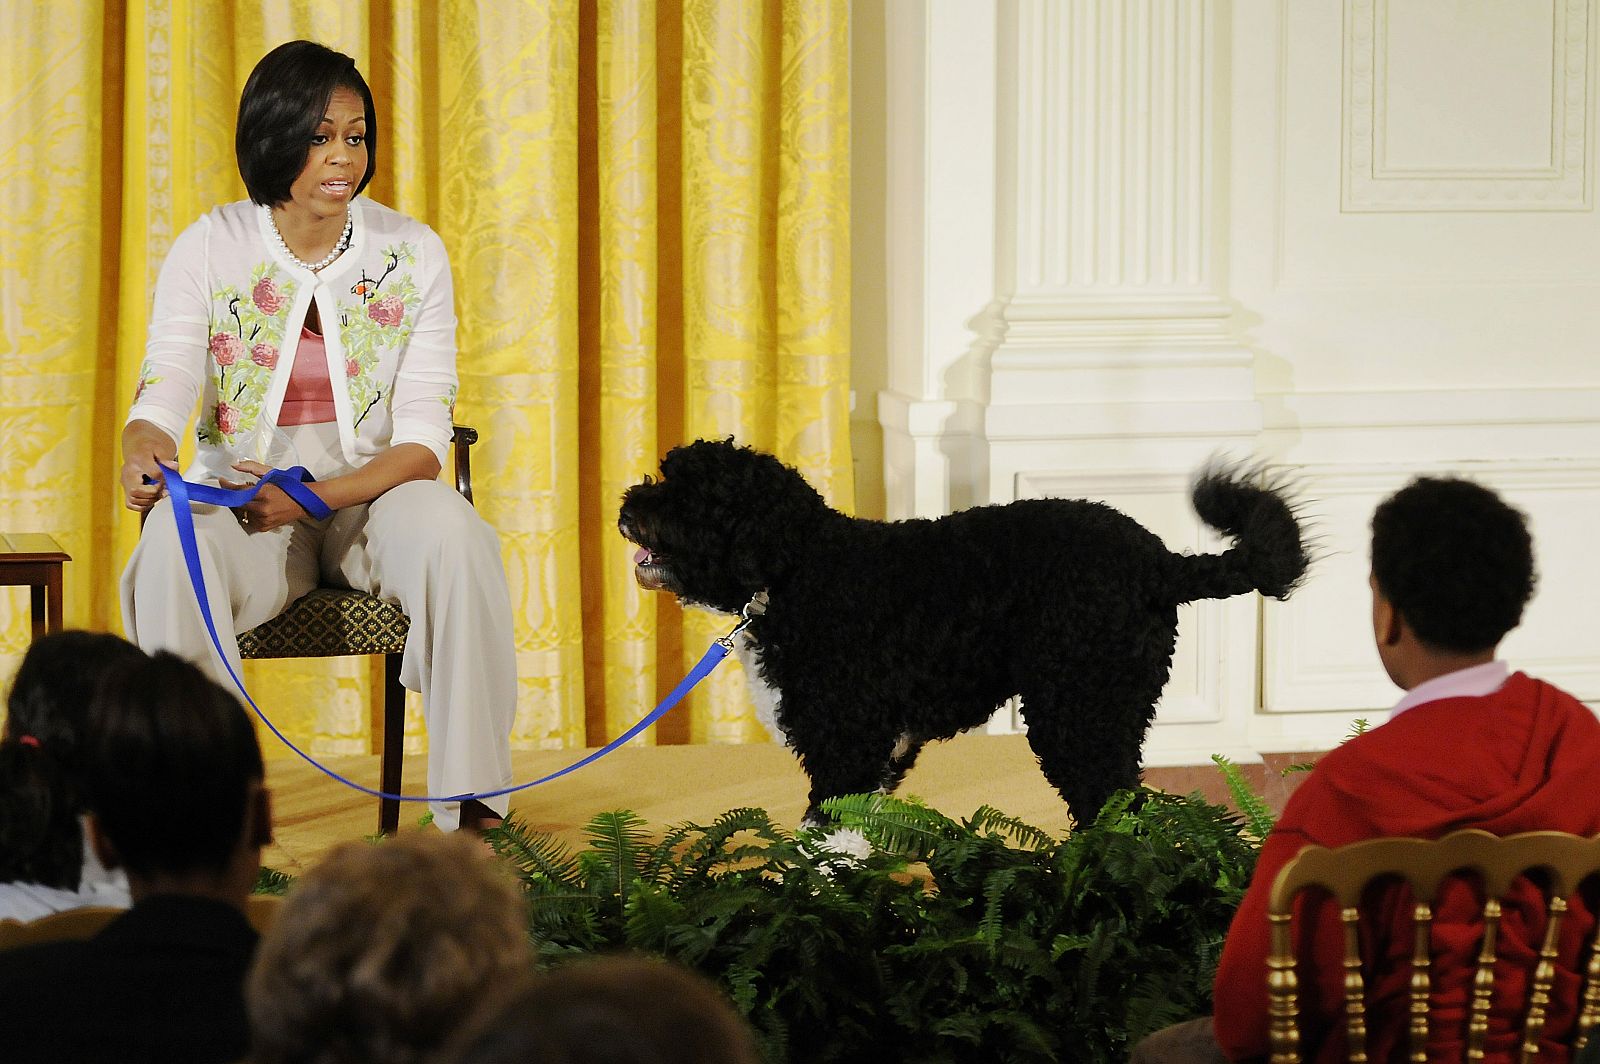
876 637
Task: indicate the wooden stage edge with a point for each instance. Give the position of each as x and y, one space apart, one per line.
667 785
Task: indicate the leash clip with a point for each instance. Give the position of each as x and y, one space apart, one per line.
749 612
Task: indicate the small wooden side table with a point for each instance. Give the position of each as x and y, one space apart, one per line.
34 559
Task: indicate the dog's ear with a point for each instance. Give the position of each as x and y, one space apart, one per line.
778 524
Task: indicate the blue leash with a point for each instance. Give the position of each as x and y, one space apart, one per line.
292 481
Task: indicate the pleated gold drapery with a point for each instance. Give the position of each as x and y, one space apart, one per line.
647 211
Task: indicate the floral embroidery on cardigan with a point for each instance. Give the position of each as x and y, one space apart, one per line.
246 331
147 377
382 321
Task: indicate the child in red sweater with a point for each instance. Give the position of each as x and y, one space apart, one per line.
1470 745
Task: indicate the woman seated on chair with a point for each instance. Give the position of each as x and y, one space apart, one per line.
46 863
317 328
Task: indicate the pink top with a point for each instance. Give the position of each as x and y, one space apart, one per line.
308 400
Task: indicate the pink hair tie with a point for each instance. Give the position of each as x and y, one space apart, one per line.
28 740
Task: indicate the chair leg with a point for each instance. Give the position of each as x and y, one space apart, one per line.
394 736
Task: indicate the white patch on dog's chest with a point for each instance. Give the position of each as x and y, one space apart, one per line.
766 697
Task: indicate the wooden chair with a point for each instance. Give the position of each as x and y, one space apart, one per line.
68 925
75 925
333 622
1425 865
336 622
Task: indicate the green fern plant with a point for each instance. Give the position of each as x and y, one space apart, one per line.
955 940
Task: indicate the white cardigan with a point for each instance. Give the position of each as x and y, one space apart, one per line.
226 323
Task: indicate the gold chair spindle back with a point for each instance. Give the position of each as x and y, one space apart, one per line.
1424 865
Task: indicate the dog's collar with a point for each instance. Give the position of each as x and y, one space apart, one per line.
750 611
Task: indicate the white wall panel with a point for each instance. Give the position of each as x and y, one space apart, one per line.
1466 105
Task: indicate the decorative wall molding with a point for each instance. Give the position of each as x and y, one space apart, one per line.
929 418
1437 429
932 450
1435 407
1371 183
1151 319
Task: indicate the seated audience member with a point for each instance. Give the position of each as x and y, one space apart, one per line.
610 1010
46 864
1470 745
381 951
175 797
41 844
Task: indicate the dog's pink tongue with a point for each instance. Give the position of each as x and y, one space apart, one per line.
641 556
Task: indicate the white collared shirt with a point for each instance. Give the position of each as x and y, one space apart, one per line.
1475 681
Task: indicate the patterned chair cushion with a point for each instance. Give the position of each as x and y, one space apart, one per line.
329 622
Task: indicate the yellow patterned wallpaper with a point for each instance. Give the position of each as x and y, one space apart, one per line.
647 211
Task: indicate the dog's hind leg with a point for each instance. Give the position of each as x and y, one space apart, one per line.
1087 728
901 758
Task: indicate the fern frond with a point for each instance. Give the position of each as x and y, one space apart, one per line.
1257 814
989 819
659 860
616 841
1114 815
715 838
534 854
897 826
995 886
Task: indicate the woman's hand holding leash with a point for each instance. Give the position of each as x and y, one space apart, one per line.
271 508
146 453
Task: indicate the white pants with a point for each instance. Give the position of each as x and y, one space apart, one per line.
419 545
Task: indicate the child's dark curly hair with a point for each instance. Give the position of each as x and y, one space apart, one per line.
1455 560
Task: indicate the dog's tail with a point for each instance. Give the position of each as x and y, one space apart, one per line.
1269 553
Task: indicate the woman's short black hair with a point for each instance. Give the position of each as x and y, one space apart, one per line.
1455 560
283 102
164 737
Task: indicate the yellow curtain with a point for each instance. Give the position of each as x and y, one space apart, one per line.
647 211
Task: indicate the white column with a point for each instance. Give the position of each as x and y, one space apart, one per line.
1115 342
939 204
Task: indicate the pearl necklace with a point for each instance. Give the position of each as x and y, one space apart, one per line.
339 246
